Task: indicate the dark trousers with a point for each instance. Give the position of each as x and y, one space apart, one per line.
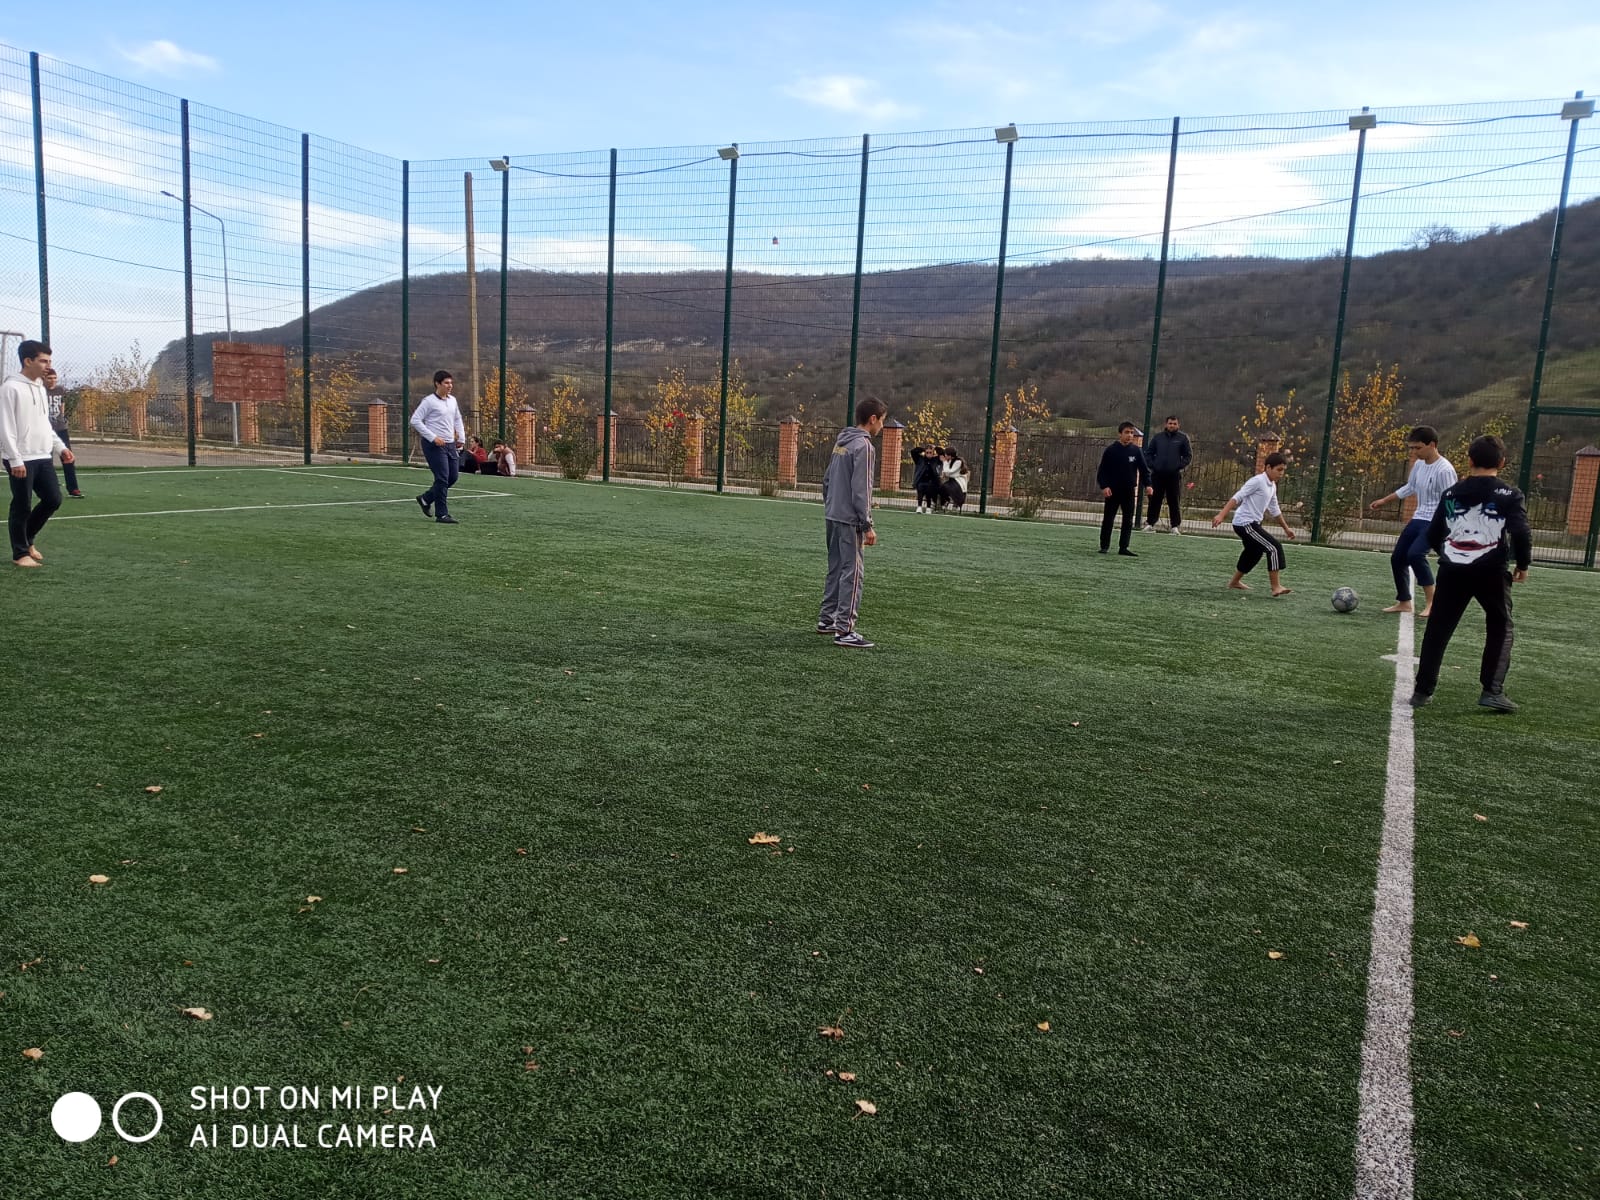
469 465
1123 502
67 469
1411 554
445 463
1168 486
1258 544
1458 587
27 518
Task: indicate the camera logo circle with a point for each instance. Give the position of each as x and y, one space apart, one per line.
76 1117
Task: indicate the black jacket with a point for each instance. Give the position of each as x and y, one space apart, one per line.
1122 468
927 468
1168 452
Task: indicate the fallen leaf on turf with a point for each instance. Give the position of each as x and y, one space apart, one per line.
418 829
521 851
1470 940
99 879
530 1066
866 1108
258 735
434 961
1043 1026
527 1049
1517 924
313 899
153 788
977 970
1274 953
198 1013
846 1076
1456 1032
568 671
764 839
1075 724
832 1032
1479 817
33 1053
402 871
112 1161
349 626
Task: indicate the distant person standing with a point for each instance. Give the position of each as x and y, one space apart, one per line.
1480 525
1169 455
1431 473
27 443
1123 471
847 508
58 423
438 423
1257 499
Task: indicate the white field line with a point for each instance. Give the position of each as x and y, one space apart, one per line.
181 512
1385 1155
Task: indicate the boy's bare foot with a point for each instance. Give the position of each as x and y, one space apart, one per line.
1399 606
1283 591
34 554
1239 587
1427 612
24 561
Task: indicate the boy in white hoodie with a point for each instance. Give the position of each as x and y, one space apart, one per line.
27 443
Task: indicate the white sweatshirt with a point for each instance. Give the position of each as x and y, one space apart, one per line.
25 432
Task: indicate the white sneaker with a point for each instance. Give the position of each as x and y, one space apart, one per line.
1176 530
1149 528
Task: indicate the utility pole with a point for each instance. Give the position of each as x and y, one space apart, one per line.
472 313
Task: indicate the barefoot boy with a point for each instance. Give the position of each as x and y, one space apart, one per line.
1258 498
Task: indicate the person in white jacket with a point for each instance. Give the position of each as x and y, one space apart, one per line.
27 443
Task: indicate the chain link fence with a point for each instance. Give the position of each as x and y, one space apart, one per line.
1319 280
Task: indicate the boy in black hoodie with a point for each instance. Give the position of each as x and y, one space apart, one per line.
1123 471
1478 520
925 460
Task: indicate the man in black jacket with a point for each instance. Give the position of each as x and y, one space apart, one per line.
1122 472
1480 524
1169 456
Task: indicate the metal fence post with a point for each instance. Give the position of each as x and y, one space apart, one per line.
855 304
188 285
731 153
405 312
1008 135
38 185
1572 112
1363 123
1161 284
505 250
611 302
305 289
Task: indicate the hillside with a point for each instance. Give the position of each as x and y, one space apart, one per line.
1460 317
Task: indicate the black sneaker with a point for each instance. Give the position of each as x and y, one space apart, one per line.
427 505
854 640
1496 701
828 629
1105 549
1420 699
447 521
1126 553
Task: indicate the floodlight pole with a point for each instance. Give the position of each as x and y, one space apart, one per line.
1161 284
731 155
611 302
1008 135
188 284
405 312
1572 112
855 304
38 185
305 290
1362 122
503 165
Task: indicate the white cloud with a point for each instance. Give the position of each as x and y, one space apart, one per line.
162 57
847 94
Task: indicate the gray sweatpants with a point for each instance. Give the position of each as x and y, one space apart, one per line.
841 597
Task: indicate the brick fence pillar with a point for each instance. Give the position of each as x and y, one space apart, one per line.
889 464
600 442
1005 462
694 439
249 424
788 452
1580 500
199 418
1269 443
525 434
377 427
316 429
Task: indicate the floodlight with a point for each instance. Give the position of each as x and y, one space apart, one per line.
1006 133
729 153
1364 120
500 164
1577 110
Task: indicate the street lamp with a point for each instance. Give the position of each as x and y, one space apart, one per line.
227 292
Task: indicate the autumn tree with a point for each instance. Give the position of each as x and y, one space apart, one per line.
1284 423
1022 407
567 426
489 406
930 422
126 382
1369 442
336 384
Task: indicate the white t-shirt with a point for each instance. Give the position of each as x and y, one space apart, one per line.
1256 499
1427 483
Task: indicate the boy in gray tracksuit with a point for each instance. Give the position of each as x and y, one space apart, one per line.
847 505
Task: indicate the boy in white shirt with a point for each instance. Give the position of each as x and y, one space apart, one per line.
1256 499
1431 474
27 442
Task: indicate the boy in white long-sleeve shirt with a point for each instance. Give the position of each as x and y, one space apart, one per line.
27 443
1431 473
1258 498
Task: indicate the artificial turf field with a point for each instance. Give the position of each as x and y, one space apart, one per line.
1093 793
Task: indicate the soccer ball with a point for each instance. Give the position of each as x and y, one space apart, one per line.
1345 599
